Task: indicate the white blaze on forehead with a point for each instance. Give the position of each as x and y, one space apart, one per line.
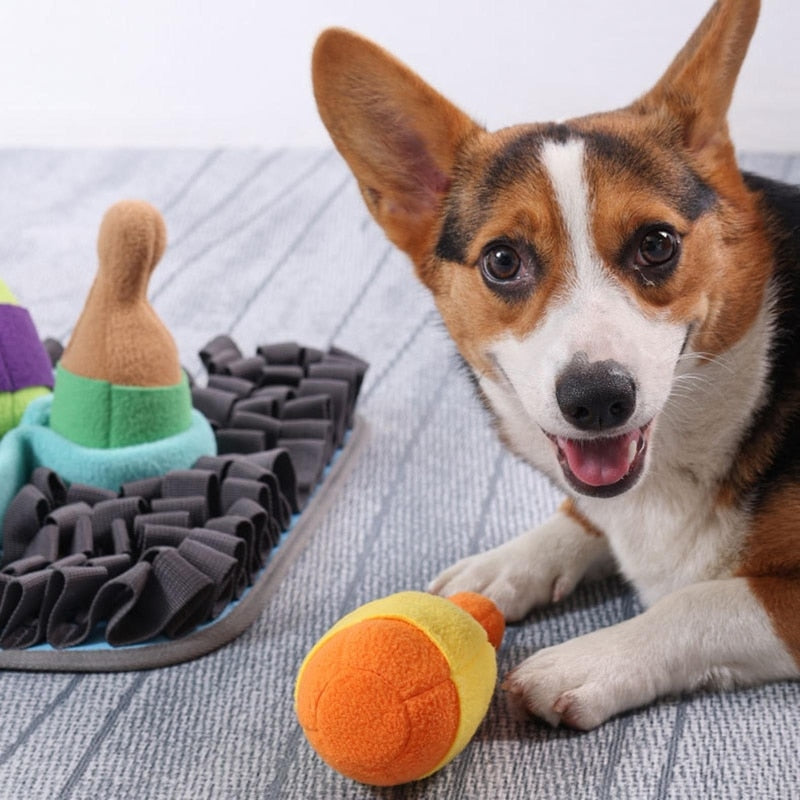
564 163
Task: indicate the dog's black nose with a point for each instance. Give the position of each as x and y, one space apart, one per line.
596 396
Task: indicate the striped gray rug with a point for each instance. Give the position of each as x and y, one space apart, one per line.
277 245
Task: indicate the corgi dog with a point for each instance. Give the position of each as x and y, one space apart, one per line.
629 303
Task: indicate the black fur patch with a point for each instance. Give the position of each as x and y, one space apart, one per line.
782 206
452 240
690 195
518 159
694 196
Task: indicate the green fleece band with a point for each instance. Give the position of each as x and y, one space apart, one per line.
100 414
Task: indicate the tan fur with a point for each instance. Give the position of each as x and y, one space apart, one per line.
119 337
569 508
771 563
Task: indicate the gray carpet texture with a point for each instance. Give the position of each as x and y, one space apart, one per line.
277 245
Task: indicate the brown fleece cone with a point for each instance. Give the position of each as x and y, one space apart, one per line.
118 337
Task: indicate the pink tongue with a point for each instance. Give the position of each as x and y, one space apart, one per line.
600 462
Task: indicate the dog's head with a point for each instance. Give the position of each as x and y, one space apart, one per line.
576 265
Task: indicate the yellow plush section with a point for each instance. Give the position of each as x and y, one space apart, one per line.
459 638
7 296
13 405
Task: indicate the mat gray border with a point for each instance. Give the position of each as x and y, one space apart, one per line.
214 636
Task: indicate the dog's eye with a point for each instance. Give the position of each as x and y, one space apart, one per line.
501 262
657 247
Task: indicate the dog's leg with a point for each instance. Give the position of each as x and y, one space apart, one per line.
714 633
541 566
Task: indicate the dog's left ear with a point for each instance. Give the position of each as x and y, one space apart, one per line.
697 88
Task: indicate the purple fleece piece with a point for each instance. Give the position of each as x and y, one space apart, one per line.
23 360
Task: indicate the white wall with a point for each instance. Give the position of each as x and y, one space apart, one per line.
236 72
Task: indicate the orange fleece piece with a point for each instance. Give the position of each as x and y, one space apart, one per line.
378 704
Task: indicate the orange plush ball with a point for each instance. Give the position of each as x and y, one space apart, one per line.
397 688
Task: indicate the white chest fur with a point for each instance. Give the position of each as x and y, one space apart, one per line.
670 531
667 538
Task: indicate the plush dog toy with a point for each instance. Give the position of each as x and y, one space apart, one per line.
121 407
396 689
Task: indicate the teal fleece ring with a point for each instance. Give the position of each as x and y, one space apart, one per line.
34 443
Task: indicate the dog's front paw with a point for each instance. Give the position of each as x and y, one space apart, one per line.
580 683
542 566
505 578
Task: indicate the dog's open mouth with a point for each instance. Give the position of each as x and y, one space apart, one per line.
605 466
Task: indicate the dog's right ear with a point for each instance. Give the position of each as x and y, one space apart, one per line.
399 135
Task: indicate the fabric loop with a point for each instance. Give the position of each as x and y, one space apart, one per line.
342 399
154 535
257 422
234 488
24 565
44 544
217 345
221 568
25 515
281 375
216 404
279 463
249 509
244 468
180 518
66 517
312 406
82 537
68 598
281 353
106 511
146 488
242 528
20 618
308 458
217 363
233 440
231 546
48 482
265 405
248 368
320 429
91 495
193 483
216 464
229 383
196 505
